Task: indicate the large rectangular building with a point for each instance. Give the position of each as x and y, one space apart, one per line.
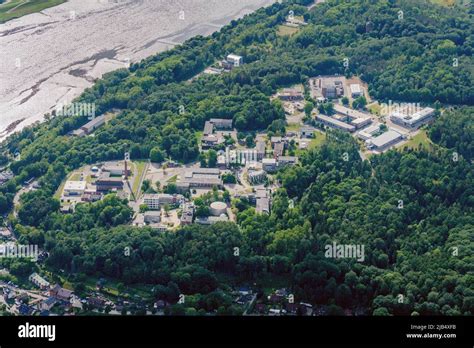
202 178
155 201
369 132
235 60
74 188
208 128
361 122
412 121
385 140
261 149
356 90
333 123
222 123
351 113
90 126
107 183
290 94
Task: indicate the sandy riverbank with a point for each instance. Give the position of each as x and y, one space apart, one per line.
50 57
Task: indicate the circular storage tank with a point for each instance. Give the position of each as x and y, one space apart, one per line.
218 208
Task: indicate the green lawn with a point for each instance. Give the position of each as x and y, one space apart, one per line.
318 141
284 30
140 166
421 139
18 8
444 2
374 108
293 127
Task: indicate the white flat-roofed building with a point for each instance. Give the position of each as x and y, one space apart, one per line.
385 140
39 281
116 169
332 122
412 121
351 113
155 201
368 132
74 188
235 60
361 122
356 90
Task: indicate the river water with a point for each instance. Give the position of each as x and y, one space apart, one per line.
49 58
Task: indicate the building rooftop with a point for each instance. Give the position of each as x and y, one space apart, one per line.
234 57
94 123
358 121
355 88
413 118
209 180
336 122
288 159
341 109
211 171
208 128
105 176
386 138
263 205
372 129
221 121
75 185
269 161
261 147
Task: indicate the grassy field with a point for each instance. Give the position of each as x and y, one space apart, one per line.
293 127
60 189
421 139
318 141
284 30
444 2
374 108
18 8
140 167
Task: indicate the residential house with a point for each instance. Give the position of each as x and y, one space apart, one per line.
39 281
60 293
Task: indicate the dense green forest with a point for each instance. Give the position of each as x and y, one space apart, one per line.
421 249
